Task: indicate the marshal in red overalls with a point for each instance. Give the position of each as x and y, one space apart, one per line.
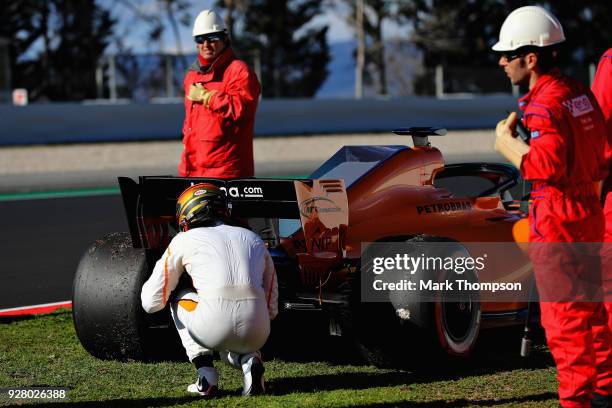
566 159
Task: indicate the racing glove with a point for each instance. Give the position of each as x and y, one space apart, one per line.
197 93
511 147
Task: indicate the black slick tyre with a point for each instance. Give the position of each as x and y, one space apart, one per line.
106 308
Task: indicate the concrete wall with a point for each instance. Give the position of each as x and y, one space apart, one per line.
78 123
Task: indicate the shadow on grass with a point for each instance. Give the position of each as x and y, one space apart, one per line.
163 402
123 402
363 381
498 350
61 312
15 319
461 402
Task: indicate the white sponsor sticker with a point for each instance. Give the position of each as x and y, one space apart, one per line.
199 192
246 192
579 106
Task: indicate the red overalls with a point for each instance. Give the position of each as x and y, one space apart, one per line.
218 139
602 89
566 158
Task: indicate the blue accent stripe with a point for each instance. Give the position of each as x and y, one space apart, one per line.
43 195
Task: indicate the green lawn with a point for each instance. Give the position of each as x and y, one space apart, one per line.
44 351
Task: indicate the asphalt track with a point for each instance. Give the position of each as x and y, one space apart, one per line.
42 241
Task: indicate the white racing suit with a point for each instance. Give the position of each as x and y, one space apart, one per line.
235 293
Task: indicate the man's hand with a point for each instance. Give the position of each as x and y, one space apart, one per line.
506 126
197 93
507 144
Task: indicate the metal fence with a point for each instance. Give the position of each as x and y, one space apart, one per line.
448 82
158 77
141 77
147 77
5 71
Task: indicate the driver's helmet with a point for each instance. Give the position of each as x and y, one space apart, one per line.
200 205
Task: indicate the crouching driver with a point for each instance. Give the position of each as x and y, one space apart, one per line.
235 294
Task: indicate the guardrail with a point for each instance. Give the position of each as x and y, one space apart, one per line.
104 122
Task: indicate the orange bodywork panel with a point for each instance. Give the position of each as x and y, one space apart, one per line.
324 216
396 201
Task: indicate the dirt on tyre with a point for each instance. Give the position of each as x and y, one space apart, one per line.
106 308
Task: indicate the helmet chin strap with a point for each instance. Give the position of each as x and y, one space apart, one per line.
183 227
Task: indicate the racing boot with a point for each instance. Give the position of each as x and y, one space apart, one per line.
253 370
208 379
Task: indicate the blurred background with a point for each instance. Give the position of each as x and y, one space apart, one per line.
139 50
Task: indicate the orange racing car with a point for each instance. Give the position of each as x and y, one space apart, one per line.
317 230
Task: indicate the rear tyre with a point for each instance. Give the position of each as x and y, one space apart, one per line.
457 322
449 322
106 308
456 313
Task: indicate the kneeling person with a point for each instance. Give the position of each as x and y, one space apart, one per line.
234 294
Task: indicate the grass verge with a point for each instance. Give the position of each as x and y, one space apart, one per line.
43 351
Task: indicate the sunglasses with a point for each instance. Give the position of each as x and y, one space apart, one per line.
510 57
212 38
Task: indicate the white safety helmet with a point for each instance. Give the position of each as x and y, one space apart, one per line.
529 26
207 22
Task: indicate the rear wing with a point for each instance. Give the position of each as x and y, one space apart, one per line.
420 135
320 205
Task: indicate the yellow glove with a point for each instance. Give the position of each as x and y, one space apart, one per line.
511 147
197 93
